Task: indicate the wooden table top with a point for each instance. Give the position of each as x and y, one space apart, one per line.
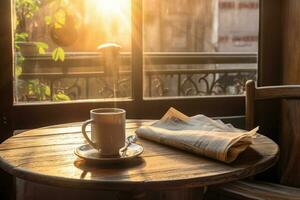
46 155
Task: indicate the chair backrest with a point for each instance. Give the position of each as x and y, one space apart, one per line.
289 137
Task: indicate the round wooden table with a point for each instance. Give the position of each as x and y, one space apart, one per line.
46 156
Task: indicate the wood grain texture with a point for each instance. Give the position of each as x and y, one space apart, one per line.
290 41
254 190
277 92
270 45
289 164
250 98
28 191
46 156
254 93
290 144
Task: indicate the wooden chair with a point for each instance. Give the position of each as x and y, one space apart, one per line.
289 143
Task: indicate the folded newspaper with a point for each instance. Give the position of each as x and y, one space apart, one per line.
199 134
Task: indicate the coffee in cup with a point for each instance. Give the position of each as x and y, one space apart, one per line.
107 130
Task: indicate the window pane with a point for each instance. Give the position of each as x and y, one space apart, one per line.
57 58
199 47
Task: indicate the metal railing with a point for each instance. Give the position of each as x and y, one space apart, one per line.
81 75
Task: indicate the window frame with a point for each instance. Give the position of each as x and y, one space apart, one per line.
32 116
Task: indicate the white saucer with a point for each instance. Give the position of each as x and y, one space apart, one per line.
90 154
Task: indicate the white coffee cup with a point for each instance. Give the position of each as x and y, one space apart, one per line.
108 130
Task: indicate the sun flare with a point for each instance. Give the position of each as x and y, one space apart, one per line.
111 19
111 7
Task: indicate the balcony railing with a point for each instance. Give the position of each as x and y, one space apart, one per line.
82 75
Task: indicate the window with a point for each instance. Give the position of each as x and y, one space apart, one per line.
57 50
193 39
56 43
192 54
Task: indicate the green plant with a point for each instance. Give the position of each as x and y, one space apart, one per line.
61 96
19 37
25 11
39 90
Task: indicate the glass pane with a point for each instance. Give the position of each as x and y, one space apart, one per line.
199 47
57 55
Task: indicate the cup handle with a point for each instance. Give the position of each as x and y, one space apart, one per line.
83 127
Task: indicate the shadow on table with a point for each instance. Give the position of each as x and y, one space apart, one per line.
91 167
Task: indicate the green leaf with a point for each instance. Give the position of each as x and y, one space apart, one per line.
20 58
58 54
44 91
60 96
41 46
57 25
48 20
33 88
60 19
19 37
29 15
47 91
18 70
